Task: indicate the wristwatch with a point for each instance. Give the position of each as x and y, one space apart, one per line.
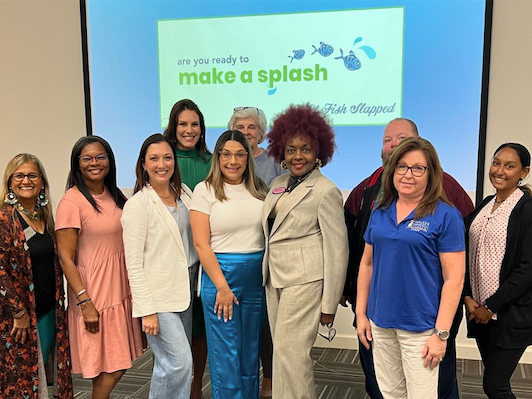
442 334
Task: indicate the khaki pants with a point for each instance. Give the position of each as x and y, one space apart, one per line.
399 365
294 314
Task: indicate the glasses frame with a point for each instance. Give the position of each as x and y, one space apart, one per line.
411 169
244 155
236 109
39 176
331 334
87 161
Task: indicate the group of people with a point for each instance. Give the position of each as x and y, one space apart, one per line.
243 252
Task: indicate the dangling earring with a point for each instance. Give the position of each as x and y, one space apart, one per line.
42 200
318 163
11 198
283 165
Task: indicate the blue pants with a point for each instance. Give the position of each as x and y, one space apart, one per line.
234 346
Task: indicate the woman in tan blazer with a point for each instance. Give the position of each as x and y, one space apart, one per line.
162 265
306 247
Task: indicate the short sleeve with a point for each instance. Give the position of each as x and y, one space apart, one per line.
68 215
452 233
202 199
367 233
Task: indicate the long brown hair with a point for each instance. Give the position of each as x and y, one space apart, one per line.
142 175
434 191
254 184
45 212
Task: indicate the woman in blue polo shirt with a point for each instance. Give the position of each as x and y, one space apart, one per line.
411 274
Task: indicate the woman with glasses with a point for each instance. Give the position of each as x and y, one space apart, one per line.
161 261
498 293
306 252
104 338
225 220
33 321
411 273
186 130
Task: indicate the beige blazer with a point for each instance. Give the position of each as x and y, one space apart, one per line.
308 240
155 257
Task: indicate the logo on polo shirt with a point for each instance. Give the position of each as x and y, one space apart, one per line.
418 225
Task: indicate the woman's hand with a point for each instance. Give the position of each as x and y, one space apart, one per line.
326 319
434 351
364 331
471 305
482 315
150 324
21 328
91 317
224 303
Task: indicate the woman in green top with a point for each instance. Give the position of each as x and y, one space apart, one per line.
186 129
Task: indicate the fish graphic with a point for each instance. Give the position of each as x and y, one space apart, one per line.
351 62
324 50
298 54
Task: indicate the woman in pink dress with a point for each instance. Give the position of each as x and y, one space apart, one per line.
104 338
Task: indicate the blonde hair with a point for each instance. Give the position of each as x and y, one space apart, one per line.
254 184
434 191
45 212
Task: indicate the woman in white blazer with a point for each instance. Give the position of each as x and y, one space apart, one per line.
162 264
305 259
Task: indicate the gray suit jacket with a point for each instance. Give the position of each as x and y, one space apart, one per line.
308 240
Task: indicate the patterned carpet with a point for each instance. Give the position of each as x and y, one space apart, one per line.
338 376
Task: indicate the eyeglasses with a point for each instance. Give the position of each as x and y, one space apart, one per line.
98 158
227 155
18 177
244 108
331 334
417 170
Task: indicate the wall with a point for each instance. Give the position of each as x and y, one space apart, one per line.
42 112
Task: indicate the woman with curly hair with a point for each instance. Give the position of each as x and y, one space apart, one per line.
306 251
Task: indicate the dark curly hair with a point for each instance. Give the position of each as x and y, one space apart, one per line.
304 120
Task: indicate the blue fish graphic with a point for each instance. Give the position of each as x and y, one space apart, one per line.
324 50
351 62
298 54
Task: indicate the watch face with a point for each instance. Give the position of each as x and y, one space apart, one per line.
443 334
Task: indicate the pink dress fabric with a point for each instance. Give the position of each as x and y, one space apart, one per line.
101 264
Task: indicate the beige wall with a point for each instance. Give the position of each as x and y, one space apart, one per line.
42 102
41 84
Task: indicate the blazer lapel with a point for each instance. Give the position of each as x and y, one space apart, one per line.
294 198
166 217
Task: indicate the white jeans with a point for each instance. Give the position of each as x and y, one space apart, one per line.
399 365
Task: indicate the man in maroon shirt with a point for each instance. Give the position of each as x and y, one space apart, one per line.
358 209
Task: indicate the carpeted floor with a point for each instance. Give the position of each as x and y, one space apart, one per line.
338 376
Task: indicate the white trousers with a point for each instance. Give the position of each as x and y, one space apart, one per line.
399 365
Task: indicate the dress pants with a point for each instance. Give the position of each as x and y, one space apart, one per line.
234 346
294 314
499 363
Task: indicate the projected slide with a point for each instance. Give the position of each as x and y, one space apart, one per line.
354 74
363 62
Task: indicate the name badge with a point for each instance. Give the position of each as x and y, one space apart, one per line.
279 190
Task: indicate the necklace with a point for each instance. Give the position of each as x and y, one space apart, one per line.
165 197
499 202
32 215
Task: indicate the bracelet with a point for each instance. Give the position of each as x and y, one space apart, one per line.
20 315
82 302
81 292
486 306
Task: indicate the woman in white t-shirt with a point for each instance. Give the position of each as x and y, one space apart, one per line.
225 215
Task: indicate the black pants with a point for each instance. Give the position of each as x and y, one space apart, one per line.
499 363
447 384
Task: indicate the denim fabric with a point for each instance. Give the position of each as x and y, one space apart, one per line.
172 359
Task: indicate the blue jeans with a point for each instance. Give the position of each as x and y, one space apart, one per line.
172 359
234 347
